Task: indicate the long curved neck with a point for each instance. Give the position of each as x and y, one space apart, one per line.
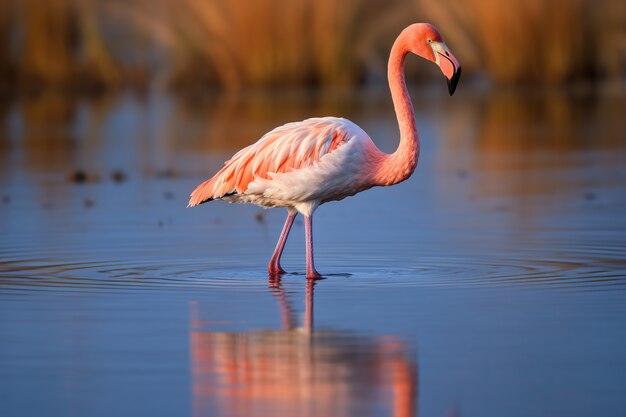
399 165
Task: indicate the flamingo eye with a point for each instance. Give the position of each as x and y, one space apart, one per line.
430 41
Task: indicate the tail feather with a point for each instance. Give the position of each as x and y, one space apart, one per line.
202 193
220 185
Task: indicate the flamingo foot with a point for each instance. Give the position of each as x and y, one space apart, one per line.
313 274
274 269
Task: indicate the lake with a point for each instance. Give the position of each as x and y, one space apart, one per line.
491 283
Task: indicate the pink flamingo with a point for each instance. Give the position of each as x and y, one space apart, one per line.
304 164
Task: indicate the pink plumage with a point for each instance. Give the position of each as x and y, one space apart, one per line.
285 149
304 164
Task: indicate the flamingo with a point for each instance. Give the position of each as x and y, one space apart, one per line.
302 165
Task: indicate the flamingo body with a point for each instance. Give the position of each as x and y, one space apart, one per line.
299 165
304 164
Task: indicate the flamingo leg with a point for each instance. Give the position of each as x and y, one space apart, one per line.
274 267
310 267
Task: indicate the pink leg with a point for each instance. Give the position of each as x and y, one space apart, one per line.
310 267
274 266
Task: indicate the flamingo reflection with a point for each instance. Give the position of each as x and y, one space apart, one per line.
298 370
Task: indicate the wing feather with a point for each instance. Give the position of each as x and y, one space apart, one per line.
287 148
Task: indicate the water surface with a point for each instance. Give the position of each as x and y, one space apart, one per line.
491 283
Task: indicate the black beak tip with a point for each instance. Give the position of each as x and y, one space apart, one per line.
452 82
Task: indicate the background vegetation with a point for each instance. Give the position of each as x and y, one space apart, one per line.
235 44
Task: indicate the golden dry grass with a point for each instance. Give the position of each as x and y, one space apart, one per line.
238 44
268 42
56 42
536 41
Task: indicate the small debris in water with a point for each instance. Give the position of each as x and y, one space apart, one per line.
260 217
80 176
161 223
6 199
168 195
88 203
46 206
118 176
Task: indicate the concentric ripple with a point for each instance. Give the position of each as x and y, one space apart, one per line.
593 268
121 275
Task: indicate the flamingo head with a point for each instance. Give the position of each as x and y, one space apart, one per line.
426 41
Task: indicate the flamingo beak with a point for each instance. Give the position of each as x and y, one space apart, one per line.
452 82
448 64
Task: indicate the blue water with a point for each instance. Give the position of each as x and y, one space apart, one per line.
491 283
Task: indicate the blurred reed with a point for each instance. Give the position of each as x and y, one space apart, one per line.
270 42
7 69
267 43
536 41
58 43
